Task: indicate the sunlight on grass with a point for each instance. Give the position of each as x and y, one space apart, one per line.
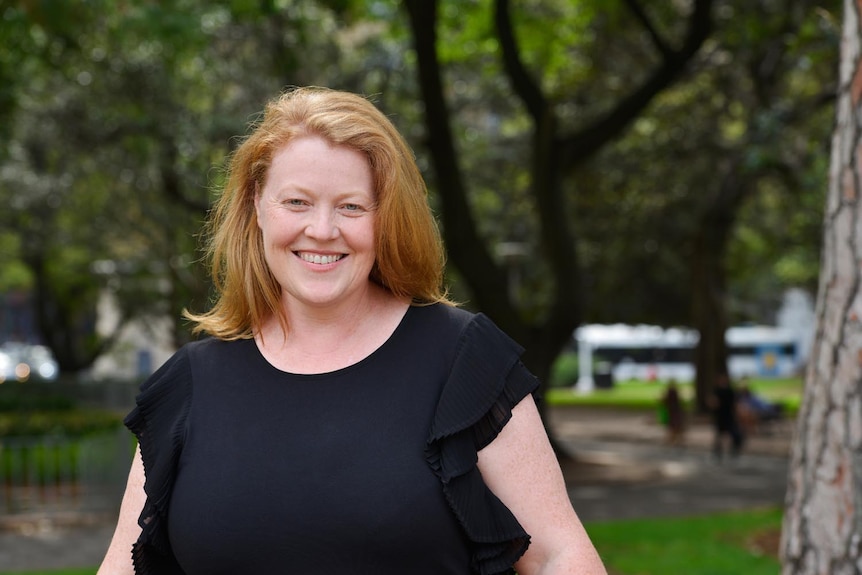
646 395
742 542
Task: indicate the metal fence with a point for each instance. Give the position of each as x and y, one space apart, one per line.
56 474
52 474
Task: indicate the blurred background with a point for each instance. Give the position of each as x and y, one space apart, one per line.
633 190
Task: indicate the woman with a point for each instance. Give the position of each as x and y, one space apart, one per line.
344 417
674 413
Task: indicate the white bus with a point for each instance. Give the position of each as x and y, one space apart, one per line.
609 353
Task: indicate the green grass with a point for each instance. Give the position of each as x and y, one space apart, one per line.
646 395
707 545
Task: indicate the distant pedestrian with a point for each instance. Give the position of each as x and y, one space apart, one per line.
725 420
674 414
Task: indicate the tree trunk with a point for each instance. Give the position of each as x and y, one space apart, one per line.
709 275
66 321
822 532
708 313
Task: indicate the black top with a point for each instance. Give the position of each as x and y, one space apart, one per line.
367 469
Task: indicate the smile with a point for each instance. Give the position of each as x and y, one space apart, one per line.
319 259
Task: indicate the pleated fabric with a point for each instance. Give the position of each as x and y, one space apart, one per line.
159 422
487 380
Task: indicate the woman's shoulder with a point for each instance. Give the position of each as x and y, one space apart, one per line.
476 326
212 348
206 351
444 317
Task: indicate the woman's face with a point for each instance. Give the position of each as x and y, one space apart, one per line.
316 212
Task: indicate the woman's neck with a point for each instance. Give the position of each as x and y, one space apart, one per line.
319 340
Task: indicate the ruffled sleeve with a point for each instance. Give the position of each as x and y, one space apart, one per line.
158 420
486 381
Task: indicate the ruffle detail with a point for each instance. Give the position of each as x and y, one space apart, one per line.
487 380
159 422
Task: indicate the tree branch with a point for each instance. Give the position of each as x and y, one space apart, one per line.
466 249
555 231
641 15
522 83
580 146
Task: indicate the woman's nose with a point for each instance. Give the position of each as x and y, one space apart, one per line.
322 225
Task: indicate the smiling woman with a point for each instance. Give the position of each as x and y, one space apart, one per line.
342 416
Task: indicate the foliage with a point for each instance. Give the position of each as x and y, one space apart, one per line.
654 187
24 397
564 372
65 423
31 410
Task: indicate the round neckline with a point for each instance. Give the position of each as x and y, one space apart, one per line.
347 368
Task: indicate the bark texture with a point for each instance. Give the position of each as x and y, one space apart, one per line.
822 532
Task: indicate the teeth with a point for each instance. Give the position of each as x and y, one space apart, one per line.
319 259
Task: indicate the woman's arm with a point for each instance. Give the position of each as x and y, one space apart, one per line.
520 467
118 559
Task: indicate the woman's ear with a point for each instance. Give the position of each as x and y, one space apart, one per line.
257 202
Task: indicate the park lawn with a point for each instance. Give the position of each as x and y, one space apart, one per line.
739 542
639 394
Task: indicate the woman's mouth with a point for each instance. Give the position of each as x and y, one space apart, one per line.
318 258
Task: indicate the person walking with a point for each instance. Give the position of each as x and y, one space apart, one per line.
725 418
674 414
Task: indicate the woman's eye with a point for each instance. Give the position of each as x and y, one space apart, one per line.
351 209
295 202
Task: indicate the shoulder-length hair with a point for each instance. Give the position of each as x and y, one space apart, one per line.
409 253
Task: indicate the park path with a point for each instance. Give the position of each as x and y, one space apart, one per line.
620 469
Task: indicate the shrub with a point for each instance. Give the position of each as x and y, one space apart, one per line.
564 372
69 423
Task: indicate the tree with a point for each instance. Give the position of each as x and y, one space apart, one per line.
770 112
823 514
82 165
711 205
555 150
